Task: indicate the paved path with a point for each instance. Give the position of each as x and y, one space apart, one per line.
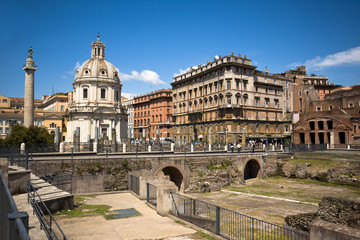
149 225
34 226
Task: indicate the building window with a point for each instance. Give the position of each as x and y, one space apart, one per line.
53 125
257 101
312 125
1 130
228 84
228 100
318 108
286 128
7 130
351 105
85 93
4 100
103 93
62 108
117 96
244 84
330 108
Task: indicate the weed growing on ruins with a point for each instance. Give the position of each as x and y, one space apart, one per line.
81 209
204 235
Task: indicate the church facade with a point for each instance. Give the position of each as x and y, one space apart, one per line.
95 103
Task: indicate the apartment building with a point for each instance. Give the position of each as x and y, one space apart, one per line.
152 115
229 101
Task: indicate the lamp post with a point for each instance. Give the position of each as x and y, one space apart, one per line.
149 128
243 141
225 131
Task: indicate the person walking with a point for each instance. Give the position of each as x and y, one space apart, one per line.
232 147
238 147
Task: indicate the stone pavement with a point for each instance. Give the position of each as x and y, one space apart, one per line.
149 225
34 225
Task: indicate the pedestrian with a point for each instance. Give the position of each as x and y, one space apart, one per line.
253 148
238 147
232 147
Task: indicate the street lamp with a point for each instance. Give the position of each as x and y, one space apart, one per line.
149 127
225 130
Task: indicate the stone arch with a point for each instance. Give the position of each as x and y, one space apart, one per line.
176 175
252 169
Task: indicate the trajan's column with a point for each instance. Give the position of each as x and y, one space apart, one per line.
30 69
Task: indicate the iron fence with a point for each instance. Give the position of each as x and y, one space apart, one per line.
46 219
151 194
134 184
16 159
14 224
229 224
306 147
62 180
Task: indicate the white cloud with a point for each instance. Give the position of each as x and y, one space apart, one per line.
144 76
350 56
64 77
128 95
76 67
182 71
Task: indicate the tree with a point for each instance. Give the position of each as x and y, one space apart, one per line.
34 134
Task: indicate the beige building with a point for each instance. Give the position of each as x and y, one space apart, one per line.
57 102
50 120
228 100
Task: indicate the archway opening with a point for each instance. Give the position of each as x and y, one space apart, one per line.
252 169
174 174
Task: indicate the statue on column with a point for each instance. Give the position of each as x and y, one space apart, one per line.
30 51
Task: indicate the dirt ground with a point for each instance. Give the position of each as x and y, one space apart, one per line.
274 210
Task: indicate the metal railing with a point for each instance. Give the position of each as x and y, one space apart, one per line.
13 224
60 180
306 147
227 223
46 219
16 159
151 194
134 184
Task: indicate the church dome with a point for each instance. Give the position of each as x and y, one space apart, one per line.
97 67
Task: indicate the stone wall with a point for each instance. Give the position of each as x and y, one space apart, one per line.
201 172
332 210
346 174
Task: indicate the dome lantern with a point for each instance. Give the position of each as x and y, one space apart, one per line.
98 49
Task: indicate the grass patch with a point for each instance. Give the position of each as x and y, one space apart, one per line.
81 209
327 156
204 235
318 163
297 189
180 222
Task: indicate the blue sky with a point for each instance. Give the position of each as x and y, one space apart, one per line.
150 41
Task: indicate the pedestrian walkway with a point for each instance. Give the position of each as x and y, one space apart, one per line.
34 225
149 225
